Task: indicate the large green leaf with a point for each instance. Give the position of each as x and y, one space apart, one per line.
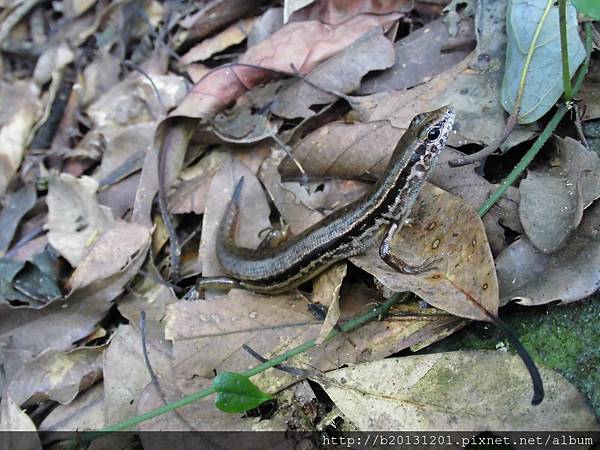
236 393
589 7
543 84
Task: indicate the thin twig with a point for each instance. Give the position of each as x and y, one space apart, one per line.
153 376
297 372
15 17
159 99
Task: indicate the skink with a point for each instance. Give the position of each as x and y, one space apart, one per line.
350 230
346 232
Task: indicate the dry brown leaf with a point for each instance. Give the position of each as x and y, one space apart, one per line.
190 194
121 146
12 418
570 274
553 199
345 150
19 110
334 12
420 56
75 220
111 254
126 374
15 206
209 335
590 92
133 100
230 36
580 166
216 14
470 391
448 228
99 76
57 376
549 210
342 73
302 44
254 216
86 412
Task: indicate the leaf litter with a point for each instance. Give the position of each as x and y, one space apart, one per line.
103 117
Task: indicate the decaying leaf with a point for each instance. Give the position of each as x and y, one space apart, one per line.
573 273
232 35
19 110
84 413
549 210
423 54
209 335
464 280
471 391
307 44
75 220
57 376
16 205
340 73
126 374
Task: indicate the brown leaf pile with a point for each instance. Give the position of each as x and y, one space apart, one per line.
124 127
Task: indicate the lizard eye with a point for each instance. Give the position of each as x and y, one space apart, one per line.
433 133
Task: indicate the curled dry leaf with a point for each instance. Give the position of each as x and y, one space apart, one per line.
57 376
470 391
20 108
423 54
302 45
232 35
464 280
553 200
550 209
570 274
75 219
341 73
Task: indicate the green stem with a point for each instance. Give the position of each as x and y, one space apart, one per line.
544 135
562 20
348 326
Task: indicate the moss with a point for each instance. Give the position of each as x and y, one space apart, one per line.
565 338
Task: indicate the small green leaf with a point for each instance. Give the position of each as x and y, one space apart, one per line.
236 393
589 7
